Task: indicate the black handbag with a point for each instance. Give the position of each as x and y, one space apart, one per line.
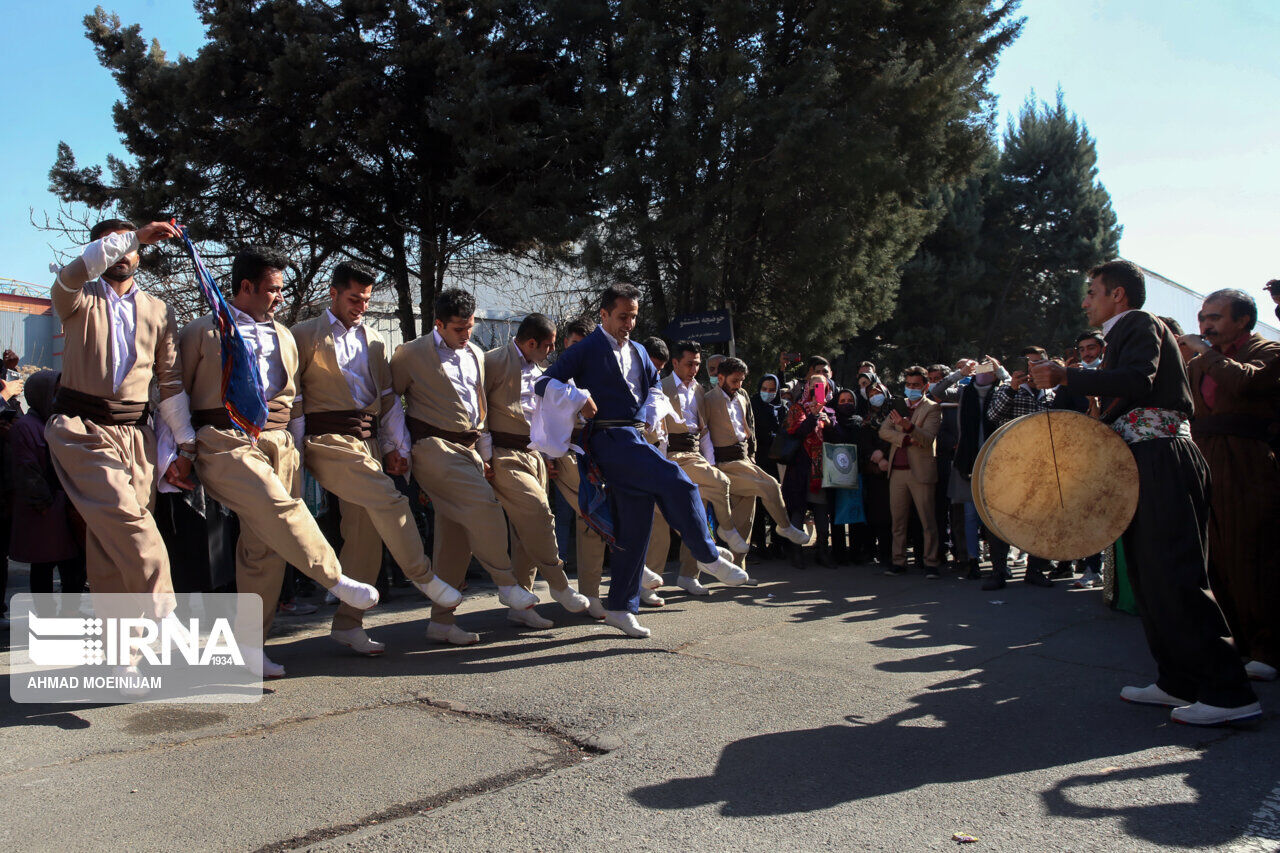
784 447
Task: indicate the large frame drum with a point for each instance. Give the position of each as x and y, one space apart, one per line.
1056 484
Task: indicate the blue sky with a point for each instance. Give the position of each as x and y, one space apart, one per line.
1183 99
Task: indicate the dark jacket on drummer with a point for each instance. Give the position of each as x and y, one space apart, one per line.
1147 399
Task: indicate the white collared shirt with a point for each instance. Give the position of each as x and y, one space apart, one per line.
1109 324
123 311
628 363
735 416
264 343
529 375
463 373
352 349
688 404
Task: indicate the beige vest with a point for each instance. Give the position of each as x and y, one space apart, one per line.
86 353
677 425
716 406
320 379
416 373
502 388
201 352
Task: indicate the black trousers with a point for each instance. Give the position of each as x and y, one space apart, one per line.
1166 548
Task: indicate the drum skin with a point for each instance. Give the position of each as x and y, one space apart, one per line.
1016 485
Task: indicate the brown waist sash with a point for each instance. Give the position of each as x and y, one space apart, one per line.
77 404
731 453
419 429
278 415
352 422
682 442
509 440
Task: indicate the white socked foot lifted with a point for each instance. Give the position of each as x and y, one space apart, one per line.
529 618
572 601
724 570
794 534
440 593
651 579
261 665
1151 695
650 598
358 641
516 597
1201 714
625 621
692 586
355 594
438 632
595 609
733 539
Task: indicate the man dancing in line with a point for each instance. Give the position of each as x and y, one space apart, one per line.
260 482
733 438
622 397
1146 398
442 375
350 428
520 477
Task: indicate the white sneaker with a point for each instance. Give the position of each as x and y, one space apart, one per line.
529 618
733 539
440 593
651 579
261 665
568 599
1201 714
794 534
355 594
725 571
1151 695
1259 671
625 621
595 609
358 641
691 586
438 632
650 598
1088 580
516 597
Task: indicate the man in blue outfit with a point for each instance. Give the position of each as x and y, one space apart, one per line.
622 398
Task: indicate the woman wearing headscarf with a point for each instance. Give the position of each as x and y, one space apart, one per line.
42 532
848 503
876 538
768 412
810 421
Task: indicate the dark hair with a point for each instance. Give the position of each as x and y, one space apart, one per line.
657 349
614 292
578 326
348 273
1174 325
1122 273
1272 285
1091 335
730 366
107 226
817 361
1242 304
915 370
938 368
682 347
454 302
1040 352
536 327
251 262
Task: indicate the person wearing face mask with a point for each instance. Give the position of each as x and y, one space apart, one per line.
1090 347
913 470
768 410
812 421
873 542
846 534
975 399
713 365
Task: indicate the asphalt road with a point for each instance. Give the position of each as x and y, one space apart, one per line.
823 709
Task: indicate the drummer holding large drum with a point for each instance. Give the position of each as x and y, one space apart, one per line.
1146 398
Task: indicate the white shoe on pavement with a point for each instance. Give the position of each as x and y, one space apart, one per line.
596 608
651 579
650 598
725 571
733 539
691 586
261 665
516 597
440 593
572 601
1201 714
438 632
355 594
1151 695
794 534
529 618
358 641
1259 671
625 621
1088 580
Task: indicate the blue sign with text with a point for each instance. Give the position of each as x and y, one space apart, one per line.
702 327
